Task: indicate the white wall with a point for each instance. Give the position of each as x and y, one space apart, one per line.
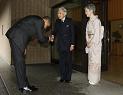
5 21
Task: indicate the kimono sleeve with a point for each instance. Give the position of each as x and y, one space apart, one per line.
96 27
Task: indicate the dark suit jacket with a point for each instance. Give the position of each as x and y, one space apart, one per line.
65 34
22 31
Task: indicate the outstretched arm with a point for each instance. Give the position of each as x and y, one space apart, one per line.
39 32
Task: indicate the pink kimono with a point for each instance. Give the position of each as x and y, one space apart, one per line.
94 35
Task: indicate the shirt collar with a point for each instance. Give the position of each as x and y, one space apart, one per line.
63 19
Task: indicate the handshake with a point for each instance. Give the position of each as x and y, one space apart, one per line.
51 38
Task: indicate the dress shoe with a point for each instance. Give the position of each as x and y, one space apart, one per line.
67 81
61 80
33 88
25 90
28 89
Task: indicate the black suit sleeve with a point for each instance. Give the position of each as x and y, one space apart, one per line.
55 28
73 33
40 30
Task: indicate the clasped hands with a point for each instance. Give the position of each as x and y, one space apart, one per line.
89 44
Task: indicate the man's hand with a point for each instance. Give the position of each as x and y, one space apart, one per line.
25 52
71 47
51 38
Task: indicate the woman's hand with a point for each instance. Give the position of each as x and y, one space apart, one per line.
89 44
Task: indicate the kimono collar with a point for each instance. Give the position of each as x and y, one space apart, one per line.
93 18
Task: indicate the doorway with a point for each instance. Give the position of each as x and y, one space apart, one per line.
115 71
76 12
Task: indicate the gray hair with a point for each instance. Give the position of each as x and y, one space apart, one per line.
91 7
63 9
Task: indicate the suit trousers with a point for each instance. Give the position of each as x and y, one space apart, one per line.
19 64
65 63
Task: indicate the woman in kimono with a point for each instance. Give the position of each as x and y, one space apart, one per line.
94 44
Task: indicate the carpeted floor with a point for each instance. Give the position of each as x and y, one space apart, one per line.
115 70
46 76
3 90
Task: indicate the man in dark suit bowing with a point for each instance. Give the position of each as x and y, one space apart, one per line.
64 30
19 36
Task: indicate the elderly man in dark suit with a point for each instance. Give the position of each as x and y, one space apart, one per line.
19 36
64 30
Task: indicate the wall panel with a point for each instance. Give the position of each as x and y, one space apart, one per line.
115 9
22 8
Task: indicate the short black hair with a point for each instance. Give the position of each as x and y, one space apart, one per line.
47 18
